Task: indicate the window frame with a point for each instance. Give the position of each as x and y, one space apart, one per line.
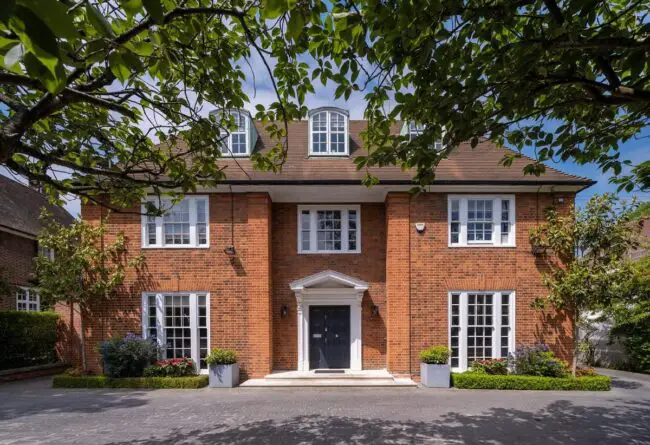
160 226
246 132
496 221
328 132
160 321
496 325
27 291
313 232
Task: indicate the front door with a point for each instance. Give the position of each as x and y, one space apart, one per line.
329 337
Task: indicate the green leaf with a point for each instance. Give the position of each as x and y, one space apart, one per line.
55 15
119 67
296 24
36 37
131 6
140 48
99 22
155 10
13 56
273 9
53 82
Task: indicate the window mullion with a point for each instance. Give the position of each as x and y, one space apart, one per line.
193 237
327 133
160 241
344 230
496 330
496 221
160 321
462 208
313 231
462 335
194 330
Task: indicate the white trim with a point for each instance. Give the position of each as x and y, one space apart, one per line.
159 221
332 296
313 232
496 221
28 291
346 135
496 324
160 320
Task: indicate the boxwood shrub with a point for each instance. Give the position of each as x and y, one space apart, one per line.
27 338
470 380
67 381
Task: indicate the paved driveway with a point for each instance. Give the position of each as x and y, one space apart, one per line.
34 413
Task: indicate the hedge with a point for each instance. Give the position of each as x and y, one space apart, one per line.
27 338
469 380
67 381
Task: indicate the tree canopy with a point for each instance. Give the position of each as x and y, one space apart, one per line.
89 88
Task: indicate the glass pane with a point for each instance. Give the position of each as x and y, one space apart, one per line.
176 224
177 327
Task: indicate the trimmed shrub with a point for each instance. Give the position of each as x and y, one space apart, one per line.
100 381
473 380
27 338
175 367
537 360
435 355
220 356
496 366
128 356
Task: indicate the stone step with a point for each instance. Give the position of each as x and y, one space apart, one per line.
328 382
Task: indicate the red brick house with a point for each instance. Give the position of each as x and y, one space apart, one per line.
20 208
308 269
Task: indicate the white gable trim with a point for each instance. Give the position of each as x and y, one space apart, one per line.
329 275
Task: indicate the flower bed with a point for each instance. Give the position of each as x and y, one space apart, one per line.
68 381
475 380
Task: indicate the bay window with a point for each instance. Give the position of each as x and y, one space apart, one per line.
179 323
329 229
481 220
184 224
481 326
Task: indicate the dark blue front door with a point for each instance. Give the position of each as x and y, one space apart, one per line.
329 337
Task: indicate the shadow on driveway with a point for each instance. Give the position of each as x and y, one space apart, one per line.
560 422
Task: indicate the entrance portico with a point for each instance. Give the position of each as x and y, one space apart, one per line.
329 288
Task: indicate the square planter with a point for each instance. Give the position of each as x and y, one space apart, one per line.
224 376
435 376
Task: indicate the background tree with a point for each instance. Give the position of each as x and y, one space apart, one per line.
83 270
569 78
586 253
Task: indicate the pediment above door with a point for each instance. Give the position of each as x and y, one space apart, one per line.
329 279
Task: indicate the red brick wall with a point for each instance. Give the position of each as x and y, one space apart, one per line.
233 319
16 264
248 291
437 269
369 266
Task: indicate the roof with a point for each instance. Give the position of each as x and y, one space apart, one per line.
20 208
464 165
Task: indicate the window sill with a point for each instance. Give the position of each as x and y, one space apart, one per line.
235 155
328 252
328 155
484 246
173 247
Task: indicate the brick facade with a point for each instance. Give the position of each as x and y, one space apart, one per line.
409 276
16 264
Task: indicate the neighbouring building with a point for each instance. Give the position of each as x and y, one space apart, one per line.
308 269
20 208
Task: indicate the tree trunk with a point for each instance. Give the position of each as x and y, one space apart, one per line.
71 339
84 362
576 345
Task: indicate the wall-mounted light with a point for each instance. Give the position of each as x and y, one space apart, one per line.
284 311
375 310
230 250
420 227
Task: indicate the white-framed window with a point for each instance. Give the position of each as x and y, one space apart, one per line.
481 326
46 252
481 220
180 323
415 130
27 299
329 229
328 133
184 225
237 143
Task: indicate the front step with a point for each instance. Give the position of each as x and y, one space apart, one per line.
323 378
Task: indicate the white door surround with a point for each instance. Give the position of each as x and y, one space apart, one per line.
329 288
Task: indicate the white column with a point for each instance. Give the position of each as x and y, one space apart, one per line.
300 324
355 333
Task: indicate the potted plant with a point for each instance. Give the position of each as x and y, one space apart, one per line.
434 369
223 368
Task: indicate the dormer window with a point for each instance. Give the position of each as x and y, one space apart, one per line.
414 130
328 129
242 137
